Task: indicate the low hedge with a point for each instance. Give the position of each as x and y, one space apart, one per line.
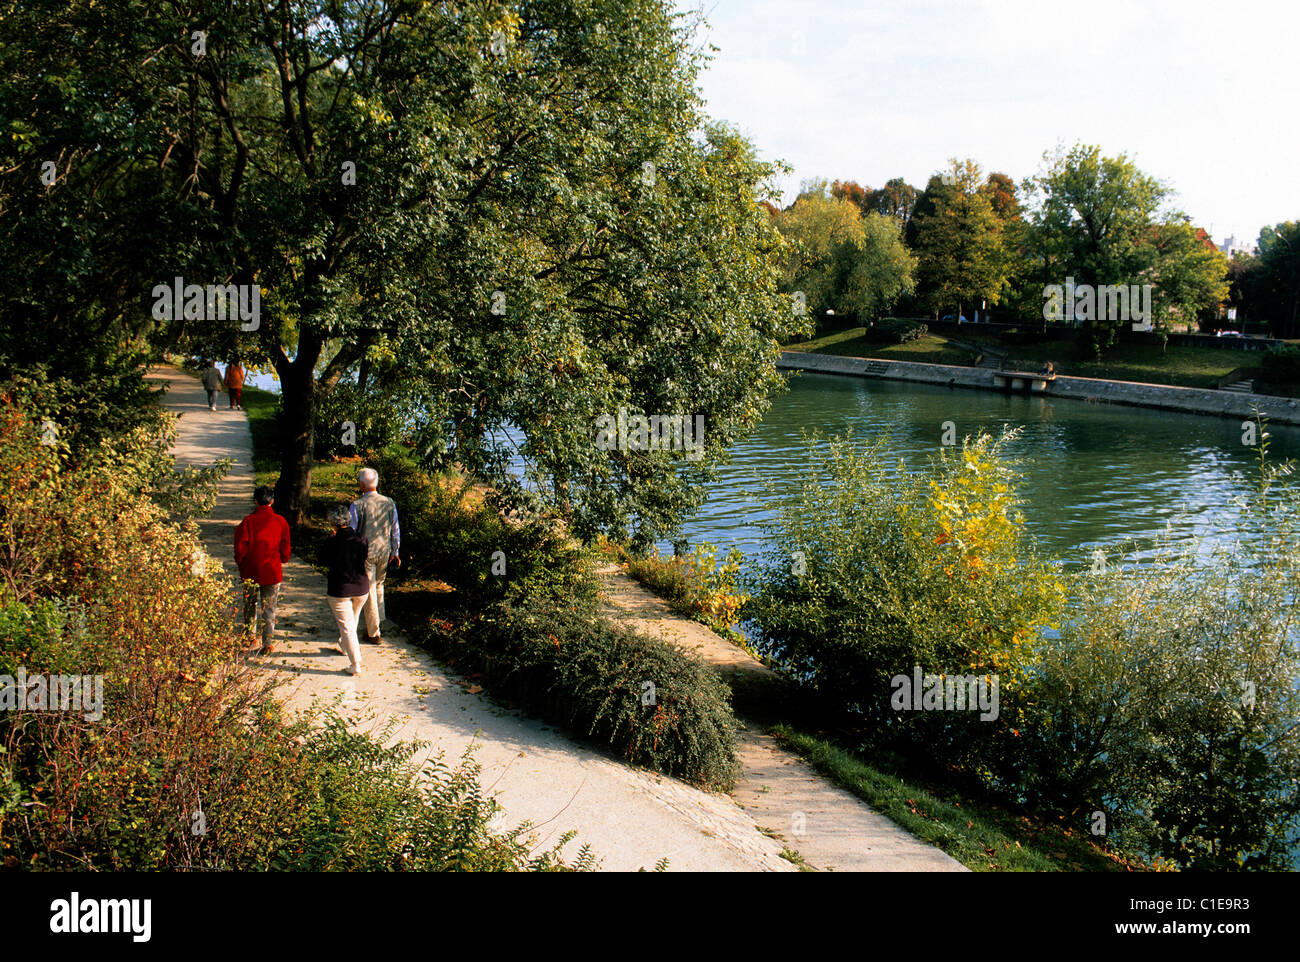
895 330
1281 365
652 703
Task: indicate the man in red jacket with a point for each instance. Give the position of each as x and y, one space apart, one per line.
261 546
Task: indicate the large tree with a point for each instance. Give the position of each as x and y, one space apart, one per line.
841 259
521 201
1092 218
959 240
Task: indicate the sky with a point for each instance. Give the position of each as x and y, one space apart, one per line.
1203 96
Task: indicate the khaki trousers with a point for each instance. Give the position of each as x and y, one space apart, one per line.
345 612
375 600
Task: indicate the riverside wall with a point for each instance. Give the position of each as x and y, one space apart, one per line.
1189 399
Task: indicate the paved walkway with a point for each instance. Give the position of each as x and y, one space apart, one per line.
831 828
630 818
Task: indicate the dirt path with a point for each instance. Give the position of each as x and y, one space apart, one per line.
630 818
828 826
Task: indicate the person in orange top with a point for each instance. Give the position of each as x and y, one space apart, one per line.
261 547
235 384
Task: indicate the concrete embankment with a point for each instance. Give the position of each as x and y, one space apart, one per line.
1192 400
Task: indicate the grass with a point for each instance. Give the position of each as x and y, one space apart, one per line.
1200 367
931 349
983 837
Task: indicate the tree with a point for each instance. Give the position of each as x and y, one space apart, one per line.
1190 274
896 199
959 241
842 260
521 201
1091 218
1278 287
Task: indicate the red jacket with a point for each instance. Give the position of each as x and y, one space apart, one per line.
261 546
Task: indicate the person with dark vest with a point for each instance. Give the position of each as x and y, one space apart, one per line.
261 547
343 556
374 517
212 382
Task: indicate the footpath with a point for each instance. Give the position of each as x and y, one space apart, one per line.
630 818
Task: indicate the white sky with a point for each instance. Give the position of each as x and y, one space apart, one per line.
1202 95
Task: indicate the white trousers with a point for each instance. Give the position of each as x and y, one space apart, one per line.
345 613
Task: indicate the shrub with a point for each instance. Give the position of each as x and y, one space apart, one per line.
191 763
870 572
451 533
896 330
1281 365
654 704
379 419
1169 703
367 805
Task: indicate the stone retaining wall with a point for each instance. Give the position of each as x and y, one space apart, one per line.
1192 400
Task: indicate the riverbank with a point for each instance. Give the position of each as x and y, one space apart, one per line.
1135 394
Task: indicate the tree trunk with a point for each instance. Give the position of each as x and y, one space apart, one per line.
297 441
363 376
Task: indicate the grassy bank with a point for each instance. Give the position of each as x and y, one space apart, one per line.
983 836
1200 367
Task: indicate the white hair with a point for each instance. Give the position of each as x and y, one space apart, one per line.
369 479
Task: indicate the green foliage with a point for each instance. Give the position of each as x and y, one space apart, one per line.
1161 694
1169 703
960 241
433 156
380 416
367 805
872 571
842 259
1281 365
580 672
451 533
192 764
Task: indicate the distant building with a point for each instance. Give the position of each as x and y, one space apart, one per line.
1233 246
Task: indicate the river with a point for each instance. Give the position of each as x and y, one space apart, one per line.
1093 474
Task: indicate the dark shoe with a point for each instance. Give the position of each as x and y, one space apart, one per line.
367 640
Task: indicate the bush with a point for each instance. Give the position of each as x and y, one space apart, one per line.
452 533
1169 704
870 572
191 763
379 419
896 330
1281 365
654 704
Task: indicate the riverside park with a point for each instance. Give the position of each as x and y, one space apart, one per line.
614 436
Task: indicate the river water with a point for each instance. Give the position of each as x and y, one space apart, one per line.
1093 474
